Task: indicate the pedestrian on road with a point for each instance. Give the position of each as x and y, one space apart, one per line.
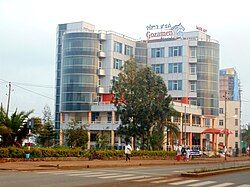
178 156
128 150
187 154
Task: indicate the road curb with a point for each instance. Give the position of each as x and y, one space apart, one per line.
214 172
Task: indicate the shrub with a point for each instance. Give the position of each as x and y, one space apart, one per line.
4 152
15 152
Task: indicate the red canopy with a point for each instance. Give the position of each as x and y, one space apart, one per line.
225 131
211 131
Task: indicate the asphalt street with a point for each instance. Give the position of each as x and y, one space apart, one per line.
131 176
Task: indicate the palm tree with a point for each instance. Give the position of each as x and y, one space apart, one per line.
13 129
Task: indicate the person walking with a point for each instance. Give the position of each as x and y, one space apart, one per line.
128 150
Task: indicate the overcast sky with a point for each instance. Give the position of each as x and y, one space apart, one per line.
28 38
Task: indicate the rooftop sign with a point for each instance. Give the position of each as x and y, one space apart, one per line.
164 31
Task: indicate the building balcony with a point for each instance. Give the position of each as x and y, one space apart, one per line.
100 90
102 36
192 77
192 60
193 43
101 54
101 72
103 107
103 126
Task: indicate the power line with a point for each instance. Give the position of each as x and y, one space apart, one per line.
34 85
33 92
29 84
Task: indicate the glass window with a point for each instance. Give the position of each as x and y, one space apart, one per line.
109 116
236 122
175 85
193 52
158 68
221 122
236 111
175 51
128 50
236 134
192 69
221 111
220 135
118 47
117 64
157 52
175 68
193 86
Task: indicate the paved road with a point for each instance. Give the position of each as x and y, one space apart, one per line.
132 176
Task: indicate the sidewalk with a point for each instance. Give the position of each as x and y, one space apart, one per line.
81 164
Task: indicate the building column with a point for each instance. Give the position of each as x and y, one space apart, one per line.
112 131
88 147
164 143
190 119
112 138
60 137
201 142
89 117
181 132
190 140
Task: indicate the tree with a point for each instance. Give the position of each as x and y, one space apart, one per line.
13 129
246 137
76 136
142 102
103 140
46 132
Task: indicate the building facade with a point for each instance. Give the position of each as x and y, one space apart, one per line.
189 67
230 116
89 61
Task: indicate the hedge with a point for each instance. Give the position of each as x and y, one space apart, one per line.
14 152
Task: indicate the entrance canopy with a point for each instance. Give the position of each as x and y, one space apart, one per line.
216 131
211 131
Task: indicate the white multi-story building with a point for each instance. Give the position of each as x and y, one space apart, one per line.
88 61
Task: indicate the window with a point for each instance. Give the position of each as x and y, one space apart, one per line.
221 111
236 145
115 79
117 64
175 68
158 68
207 122
193 52
192 86
236 122
220 135
128 50
95 116
175 85
118 47
100 64
236 111
157 52
221 122
109 116
192 69
236 134
175 51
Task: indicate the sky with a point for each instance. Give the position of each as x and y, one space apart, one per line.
28 38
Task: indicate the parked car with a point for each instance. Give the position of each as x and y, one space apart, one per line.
195 153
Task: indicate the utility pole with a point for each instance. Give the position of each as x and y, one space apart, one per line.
8 102
185 120
225 148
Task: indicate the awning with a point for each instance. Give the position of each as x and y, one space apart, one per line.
216 131
225 131
211 131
